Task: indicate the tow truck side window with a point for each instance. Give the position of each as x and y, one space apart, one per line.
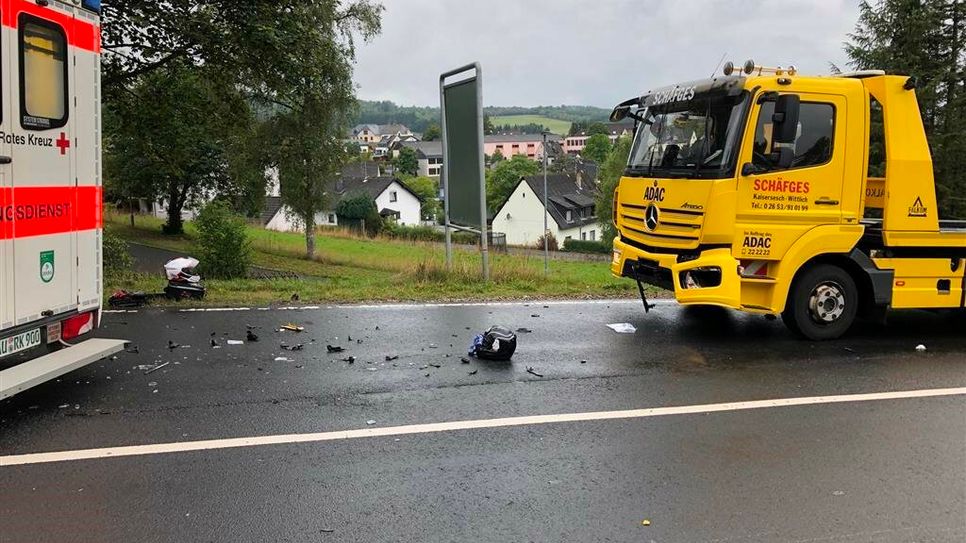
813 144
43 74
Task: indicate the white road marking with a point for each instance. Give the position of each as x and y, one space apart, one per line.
255 441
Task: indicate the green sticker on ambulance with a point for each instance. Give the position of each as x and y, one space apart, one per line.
46 266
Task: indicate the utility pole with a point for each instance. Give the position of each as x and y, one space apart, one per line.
546 210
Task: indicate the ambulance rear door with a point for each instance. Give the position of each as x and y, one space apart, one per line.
42 177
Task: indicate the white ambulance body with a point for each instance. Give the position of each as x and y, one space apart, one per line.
50 190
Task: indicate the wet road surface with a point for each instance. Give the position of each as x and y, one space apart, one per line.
884 470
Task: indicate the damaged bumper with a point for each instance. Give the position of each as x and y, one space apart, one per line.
708 278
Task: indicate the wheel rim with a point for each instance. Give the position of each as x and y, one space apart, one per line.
826 304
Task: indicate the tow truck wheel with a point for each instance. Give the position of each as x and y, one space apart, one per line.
822 303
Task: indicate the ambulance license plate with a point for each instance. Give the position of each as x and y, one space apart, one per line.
19 342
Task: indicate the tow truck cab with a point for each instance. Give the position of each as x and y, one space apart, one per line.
774 193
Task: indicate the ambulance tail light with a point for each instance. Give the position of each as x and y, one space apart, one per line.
77 325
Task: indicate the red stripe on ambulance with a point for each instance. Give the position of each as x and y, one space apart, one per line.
38 211
80 33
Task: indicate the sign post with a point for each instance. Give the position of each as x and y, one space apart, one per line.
464 193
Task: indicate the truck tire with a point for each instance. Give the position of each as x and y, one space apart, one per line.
822 303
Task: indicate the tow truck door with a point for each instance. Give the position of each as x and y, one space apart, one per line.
42 177
776 206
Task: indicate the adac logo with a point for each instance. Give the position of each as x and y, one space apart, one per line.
917 209
654 193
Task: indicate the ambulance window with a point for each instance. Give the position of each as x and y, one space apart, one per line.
813 144
43 74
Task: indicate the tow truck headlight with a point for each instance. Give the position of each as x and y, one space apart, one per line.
701 277
617 256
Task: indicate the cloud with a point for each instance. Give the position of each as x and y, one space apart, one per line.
586 52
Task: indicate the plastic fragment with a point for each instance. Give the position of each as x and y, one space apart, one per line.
531 371
235 342
920 348
250 335
645 522
473 372
334 348
622 327
292 327
370 422
393 357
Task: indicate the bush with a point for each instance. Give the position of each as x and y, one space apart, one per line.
426 233
581 246
116 254
552 245
225 250
359 209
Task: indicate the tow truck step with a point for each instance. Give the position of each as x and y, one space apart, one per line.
32 373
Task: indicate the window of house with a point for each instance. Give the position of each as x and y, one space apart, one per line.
583 236
43 74
813 145
593 235
570 216
392 196
332 218
530 145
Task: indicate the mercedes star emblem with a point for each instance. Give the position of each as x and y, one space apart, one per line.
651 217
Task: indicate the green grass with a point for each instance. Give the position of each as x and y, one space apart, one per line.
554 125
348 269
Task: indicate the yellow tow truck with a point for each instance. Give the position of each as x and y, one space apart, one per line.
771 192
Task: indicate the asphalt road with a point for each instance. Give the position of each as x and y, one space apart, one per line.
884 470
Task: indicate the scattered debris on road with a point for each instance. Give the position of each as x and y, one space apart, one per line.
349 359
645 522
534 314
334 348
172 345
464 360
437 366
282 359
391 358
235 342
532 372
250 336
295 328
134 349
622 327
156 368
370 422
523 330
473 372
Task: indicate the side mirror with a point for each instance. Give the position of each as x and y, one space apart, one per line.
785 119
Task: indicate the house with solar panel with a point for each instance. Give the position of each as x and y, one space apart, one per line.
571 206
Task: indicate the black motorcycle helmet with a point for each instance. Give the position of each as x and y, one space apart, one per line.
497 343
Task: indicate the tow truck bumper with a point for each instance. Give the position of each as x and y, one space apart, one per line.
709 279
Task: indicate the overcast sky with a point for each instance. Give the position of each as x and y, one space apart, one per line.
590 52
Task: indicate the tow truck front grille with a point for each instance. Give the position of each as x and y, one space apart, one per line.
679 228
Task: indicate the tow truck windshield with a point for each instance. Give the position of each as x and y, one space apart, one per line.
693 139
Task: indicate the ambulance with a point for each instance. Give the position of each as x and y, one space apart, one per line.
50 191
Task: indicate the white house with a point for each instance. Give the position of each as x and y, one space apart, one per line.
394 200
571 205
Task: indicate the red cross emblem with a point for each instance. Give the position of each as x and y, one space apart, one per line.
63 143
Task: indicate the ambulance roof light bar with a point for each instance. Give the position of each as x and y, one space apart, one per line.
751 68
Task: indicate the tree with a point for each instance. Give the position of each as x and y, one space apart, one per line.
597 148
487 125
503 178
924 39
179 135
427 188
223 241
432 133
610 175
597 128
497 157
291 59
565 163
406 163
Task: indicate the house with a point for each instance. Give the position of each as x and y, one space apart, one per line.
429 156
508 145
575 144
394 200
571 203
373 134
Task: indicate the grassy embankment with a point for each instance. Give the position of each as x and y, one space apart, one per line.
349 269
554 125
